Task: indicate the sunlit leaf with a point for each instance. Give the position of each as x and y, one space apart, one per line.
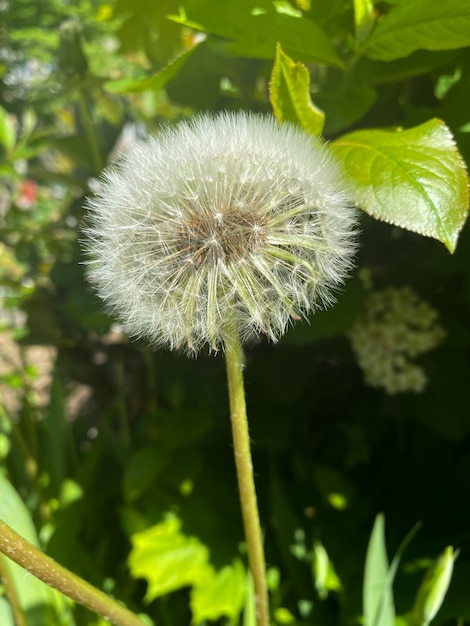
249 613
412 178
7 131
377 593
290 94
363 19
283 616
6 617
420 24
434 587
324 576
334 486
221 595
168 559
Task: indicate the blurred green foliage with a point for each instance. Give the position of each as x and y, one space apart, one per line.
110 445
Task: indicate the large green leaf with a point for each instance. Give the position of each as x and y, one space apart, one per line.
413 178
253 29
420 24
290 94
168 559
39 603
377 593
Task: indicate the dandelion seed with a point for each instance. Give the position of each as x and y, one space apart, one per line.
225 218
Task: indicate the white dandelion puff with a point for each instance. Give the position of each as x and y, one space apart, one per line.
220 219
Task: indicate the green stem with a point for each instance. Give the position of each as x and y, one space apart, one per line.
46 569
244 465
13 599
151 380
121 404
29 462
90 132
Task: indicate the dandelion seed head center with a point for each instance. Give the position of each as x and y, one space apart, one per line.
226 235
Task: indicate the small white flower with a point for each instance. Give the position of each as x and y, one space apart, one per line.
221 219
394 327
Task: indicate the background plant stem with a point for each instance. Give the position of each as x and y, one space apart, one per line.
244 465
90 132
46 569
12 596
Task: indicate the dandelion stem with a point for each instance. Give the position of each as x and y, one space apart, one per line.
244 465
46 569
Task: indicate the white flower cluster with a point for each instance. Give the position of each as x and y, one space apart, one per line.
394 327
221 222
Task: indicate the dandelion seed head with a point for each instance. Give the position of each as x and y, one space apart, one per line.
220 218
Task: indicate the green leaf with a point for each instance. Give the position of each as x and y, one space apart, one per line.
345 106
434 587
414 178
222 595
420 24
371 72
249 613
168 559
6 618
363 19
401 550
377 593
253 30
141 470
40 604
7 131
290 94
71 59
185 427
150 83
283 616
325 578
